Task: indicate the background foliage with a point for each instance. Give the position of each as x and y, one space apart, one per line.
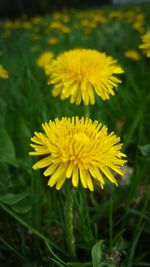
111 226
9 8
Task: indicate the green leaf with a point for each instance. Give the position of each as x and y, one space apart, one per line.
97 252
2 110
22 138
4 174
22 208
145 150
79 264
111 265
12 199
57 262
7 149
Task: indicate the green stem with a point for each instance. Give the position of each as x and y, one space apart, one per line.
87 111
69 223
110 223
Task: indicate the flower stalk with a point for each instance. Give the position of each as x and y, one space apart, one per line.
69 223
87 111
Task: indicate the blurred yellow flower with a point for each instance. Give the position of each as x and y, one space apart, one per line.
3 73
65 18
53 41
132 54
116 15
138 23
65 29
44 59
80 73
146 44
27 25
8 25
55 25
138 26
56 15
37 20
76 149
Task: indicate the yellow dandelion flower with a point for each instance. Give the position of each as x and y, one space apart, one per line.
57 15
53 41
44 59
132 54
65 29
77 149
8 25
55 25
27 25
80 73
65 18
138 26
146 44
138 23
37 20
3 73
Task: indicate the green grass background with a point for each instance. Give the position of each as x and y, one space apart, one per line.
111 226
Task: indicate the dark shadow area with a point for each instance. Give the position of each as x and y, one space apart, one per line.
17 8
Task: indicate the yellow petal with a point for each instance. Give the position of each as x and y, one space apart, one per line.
60 182
38 153
89 183
36 140
78 98
75 177
96 174
42 163
109 175
117 169
56 175
51 169
70 169
83 175
84 93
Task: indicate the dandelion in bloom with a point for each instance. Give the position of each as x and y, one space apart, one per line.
146 44
55 25
65 29
132 54
3 73
53 41
138 24
80 73
77 149
44 59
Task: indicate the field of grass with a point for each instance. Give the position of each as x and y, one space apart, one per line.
111 226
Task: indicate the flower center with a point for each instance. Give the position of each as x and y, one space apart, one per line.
81 137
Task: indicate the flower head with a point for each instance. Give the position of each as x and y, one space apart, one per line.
132 54
53 40
79 74
44 59
3 73
146 44
76 149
